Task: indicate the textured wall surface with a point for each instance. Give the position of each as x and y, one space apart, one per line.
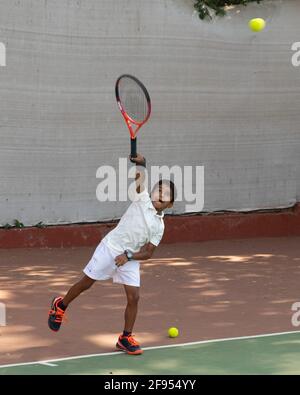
223 98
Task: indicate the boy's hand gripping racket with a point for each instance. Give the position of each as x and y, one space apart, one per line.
135 105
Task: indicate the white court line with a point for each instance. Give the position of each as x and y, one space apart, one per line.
50 362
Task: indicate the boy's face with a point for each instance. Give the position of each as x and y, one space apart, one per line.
161 197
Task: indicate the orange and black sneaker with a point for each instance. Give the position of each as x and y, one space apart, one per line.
129 345
56 315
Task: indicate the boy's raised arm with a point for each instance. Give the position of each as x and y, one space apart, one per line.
140 161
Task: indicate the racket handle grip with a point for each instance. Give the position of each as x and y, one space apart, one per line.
133 148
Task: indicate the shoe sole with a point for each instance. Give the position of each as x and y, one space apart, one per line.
52 305
122 348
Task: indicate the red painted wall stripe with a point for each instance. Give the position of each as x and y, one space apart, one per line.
178 228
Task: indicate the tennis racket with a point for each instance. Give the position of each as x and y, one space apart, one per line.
135 105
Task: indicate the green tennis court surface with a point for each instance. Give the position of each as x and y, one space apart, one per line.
266 354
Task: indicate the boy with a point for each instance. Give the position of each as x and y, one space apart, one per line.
117 256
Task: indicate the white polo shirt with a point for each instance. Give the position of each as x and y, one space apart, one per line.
138 226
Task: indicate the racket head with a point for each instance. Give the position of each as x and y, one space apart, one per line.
133 100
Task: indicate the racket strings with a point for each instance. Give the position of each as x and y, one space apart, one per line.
133 100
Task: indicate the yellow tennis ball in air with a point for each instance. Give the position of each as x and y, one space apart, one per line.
257 24
173 332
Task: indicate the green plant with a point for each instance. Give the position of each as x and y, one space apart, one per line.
204 7
40 225
8 226
18 224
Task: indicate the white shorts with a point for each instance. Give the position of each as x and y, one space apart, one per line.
102 266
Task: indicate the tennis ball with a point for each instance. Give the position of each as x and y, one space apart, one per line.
257 24
173 332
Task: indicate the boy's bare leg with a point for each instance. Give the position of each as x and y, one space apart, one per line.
59 305
126 342
132 294
81 286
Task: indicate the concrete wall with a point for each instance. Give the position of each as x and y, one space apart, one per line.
223 97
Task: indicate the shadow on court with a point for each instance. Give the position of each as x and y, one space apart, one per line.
208 290
264 355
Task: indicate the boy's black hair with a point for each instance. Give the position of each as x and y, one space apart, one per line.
171 186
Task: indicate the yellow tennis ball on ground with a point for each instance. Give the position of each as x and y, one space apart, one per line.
257 24
173 332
